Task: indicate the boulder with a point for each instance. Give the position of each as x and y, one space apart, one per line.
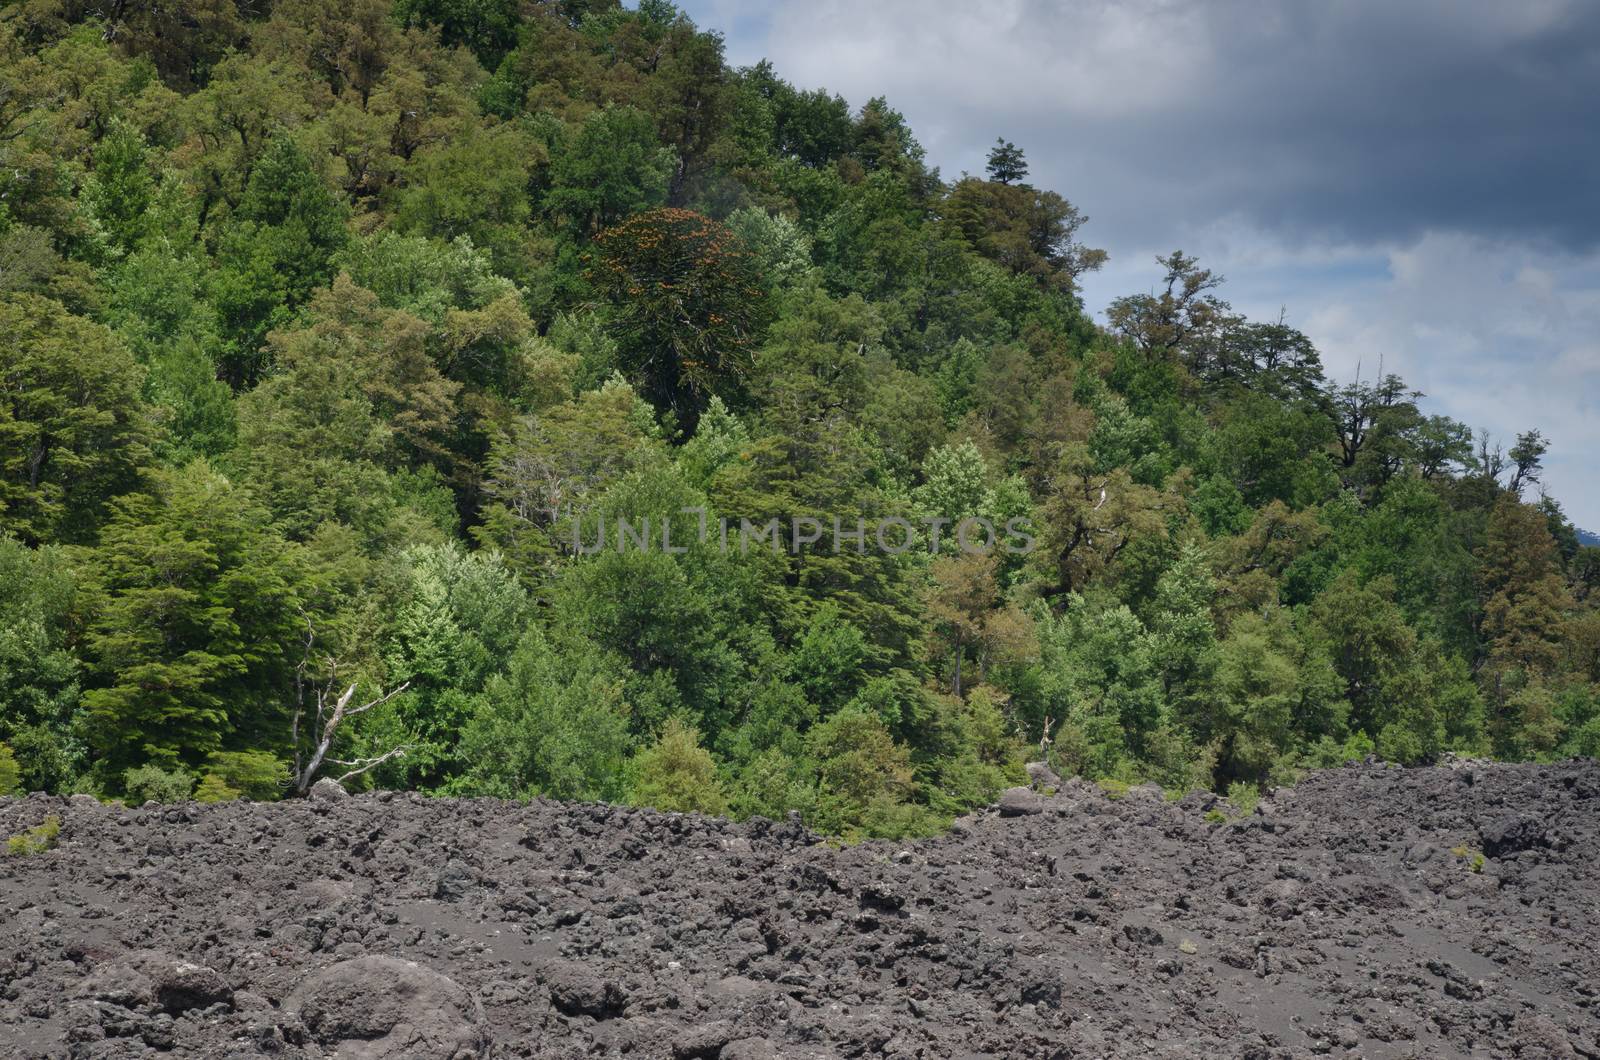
1512 835
704 1042
577 990
152 981
327 790
383 1008
181 986
1020 802
1042 776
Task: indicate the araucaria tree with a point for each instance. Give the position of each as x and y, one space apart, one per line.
685 305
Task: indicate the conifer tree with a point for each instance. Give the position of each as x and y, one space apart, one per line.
1006 163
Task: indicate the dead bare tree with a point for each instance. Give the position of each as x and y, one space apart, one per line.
323 716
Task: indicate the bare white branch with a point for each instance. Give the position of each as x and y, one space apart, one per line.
364 764
329 720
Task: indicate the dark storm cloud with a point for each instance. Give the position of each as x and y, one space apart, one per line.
1352 121
1385 120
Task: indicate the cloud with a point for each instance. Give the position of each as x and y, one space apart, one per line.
1500 335
1410 181
1361 119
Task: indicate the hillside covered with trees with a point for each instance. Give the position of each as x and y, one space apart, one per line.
326 330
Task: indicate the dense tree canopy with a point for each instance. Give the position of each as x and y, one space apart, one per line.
613 423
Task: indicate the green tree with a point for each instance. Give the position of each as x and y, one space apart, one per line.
690 99
1525 616
198 613
676 774
1376 424
474 185
151 783
488 28
258 775
345 427
861 771
73 433
1090 519
1258 690
719 438
1180 321
688 307
811 459
781 248
549 464
1527 459
1006 163
461 615
10 773
1185 639
827 660
552 724
278 248
612 167
962 598
1099 686
121 189
212 788
424 276
1032 233
40 673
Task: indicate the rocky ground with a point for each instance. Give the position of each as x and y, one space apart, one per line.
1367 912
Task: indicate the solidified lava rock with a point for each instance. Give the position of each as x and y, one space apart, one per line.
381 1008
1350 918
1512 835
1020 802
578 990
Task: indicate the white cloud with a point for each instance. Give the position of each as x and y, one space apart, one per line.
1502 335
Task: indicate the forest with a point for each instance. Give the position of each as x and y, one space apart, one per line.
325 331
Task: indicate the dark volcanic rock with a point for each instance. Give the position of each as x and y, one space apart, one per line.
578 990
327 790
1020 802
1041 776
181 986
150 981
1512 835
1351 918
381 1008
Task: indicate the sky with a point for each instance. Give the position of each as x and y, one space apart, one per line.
1413 183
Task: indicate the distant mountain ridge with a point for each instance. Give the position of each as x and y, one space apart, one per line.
1588 537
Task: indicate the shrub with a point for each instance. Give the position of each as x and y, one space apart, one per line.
1244 797
257 775
677 774
1584 742
49 758
1114 789
888 818
857 763
36 840
214 789
772 784
151 783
